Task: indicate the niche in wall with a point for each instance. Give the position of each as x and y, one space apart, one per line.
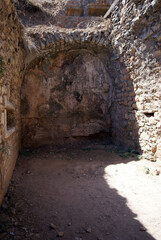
66 97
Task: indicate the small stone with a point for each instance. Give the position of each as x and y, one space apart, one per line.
146 170
78 238
52 226
157 172
88 230
142 229
15 224
69 224
12 234
60 234
13 211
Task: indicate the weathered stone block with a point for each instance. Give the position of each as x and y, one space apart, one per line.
95 9
74 11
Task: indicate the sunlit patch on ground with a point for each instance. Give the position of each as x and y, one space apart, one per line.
91 192
139 183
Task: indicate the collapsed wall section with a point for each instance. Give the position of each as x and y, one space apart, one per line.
11 64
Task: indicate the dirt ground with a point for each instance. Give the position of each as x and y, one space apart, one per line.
89 192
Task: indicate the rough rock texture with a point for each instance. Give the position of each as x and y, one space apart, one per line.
64 13
133 37
136 40
79 82
66 96
11 63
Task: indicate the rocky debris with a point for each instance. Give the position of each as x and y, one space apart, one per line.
13 219
78 238
88 230
142 229
146 170
52 226
157 172
60 234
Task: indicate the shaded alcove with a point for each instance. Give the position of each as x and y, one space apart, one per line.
66 97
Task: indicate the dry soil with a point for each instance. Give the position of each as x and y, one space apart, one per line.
85 192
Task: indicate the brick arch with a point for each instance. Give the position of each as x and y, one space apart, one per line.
52 42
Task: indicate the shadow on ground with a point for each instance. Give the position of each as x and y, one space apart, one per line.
67 187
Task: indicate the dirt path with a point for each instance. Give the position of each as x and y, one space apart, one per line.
86 193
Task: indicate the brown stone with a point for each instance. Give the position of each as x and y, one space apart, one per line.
68 100
79 85
97 9
74 11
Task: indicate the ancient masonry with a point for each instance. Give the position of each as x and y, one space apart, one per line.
73 83
11 64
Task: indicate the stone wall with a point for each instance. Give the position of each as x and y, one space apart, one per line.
66 71
105 78
133 37
66 96
11 64
136 70
133 66
79 8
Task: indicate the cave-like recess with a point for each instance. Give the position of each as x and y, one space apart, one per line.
65 97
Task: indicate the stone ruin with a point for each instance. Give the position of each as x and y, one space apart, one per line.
76 8
61 84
